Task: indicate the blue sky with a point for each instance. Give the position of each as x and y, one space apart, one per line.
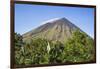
28 17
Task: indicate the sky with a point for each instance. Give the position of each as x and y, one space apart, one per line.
28 17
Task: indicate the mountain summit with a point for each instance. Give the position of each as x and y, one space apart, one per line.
59 29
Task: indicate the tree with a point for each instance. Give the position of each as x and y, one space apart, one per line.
18 46
56 53
38 51
79 48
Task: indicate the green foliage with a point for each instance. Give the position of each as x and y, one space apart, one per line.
18 52
55 55
79 48
18 40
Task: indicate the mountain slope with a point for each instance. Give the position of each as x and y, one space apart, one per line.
56 30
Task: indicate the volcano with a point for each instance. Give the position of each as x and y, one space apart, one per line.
59 29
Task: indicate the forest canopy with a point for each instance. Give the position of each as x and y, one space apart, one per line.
79 48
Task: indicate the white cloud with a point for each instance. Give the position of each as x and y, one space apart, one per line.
51 20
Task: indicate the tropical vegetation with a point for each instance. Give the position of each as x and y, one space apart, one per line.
78 48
